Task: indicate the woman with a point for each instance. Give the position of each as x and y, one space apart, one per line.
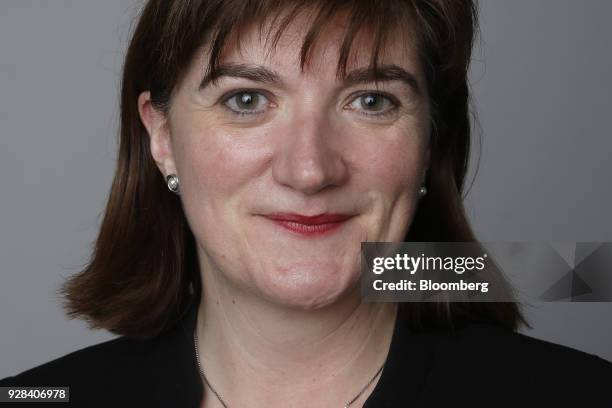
261 143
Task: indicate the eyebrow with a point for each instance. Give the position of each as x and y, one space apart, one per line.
383 73
258 73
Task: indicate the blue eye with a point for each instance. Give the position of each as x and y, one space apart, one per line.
247 103
373 104
250 102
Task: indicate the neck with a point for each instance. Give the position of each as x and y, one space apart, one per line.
256 353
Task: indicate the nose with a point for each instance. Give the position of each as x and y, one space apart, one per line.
309 157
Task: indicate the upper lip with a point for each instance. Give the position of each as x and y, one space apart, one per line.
305 219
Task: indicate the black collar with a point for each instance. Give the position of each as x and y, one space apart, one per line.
406 369
173 366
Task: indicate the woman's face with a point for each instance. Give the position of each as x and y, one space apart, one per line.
267 139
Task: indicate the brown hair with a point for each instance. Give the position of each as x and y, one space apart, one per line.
144 267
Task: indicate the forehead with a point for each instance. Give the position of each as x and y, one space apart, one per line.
256 43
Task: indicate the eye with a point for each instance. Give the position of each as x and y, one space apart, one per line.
246 102
374 104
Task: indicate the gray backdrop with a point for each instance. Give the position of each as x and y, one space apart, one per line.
541 86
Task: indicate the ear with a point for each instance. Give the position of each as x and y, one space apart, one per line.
426 163
156 124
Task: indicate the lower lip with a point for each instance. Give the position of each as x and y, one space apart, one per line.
309 229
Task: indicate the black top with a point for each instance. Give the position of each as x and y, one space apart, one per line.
479 365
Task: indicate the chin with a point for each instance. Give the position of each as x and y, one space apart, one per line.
307 288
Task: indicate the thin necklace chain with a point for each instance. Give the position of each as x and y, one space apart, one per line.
197 353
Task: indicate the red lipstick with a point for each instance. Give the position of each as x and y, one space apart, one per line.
309 225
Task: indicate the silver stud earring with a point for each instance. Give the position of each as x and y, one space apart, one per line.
422 191
173 183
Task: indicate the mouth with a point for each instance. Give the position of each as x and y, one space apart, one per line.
315 225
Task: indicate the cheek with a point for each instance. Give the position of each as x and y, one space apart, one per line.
216 165
393 165
390 172
215 170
